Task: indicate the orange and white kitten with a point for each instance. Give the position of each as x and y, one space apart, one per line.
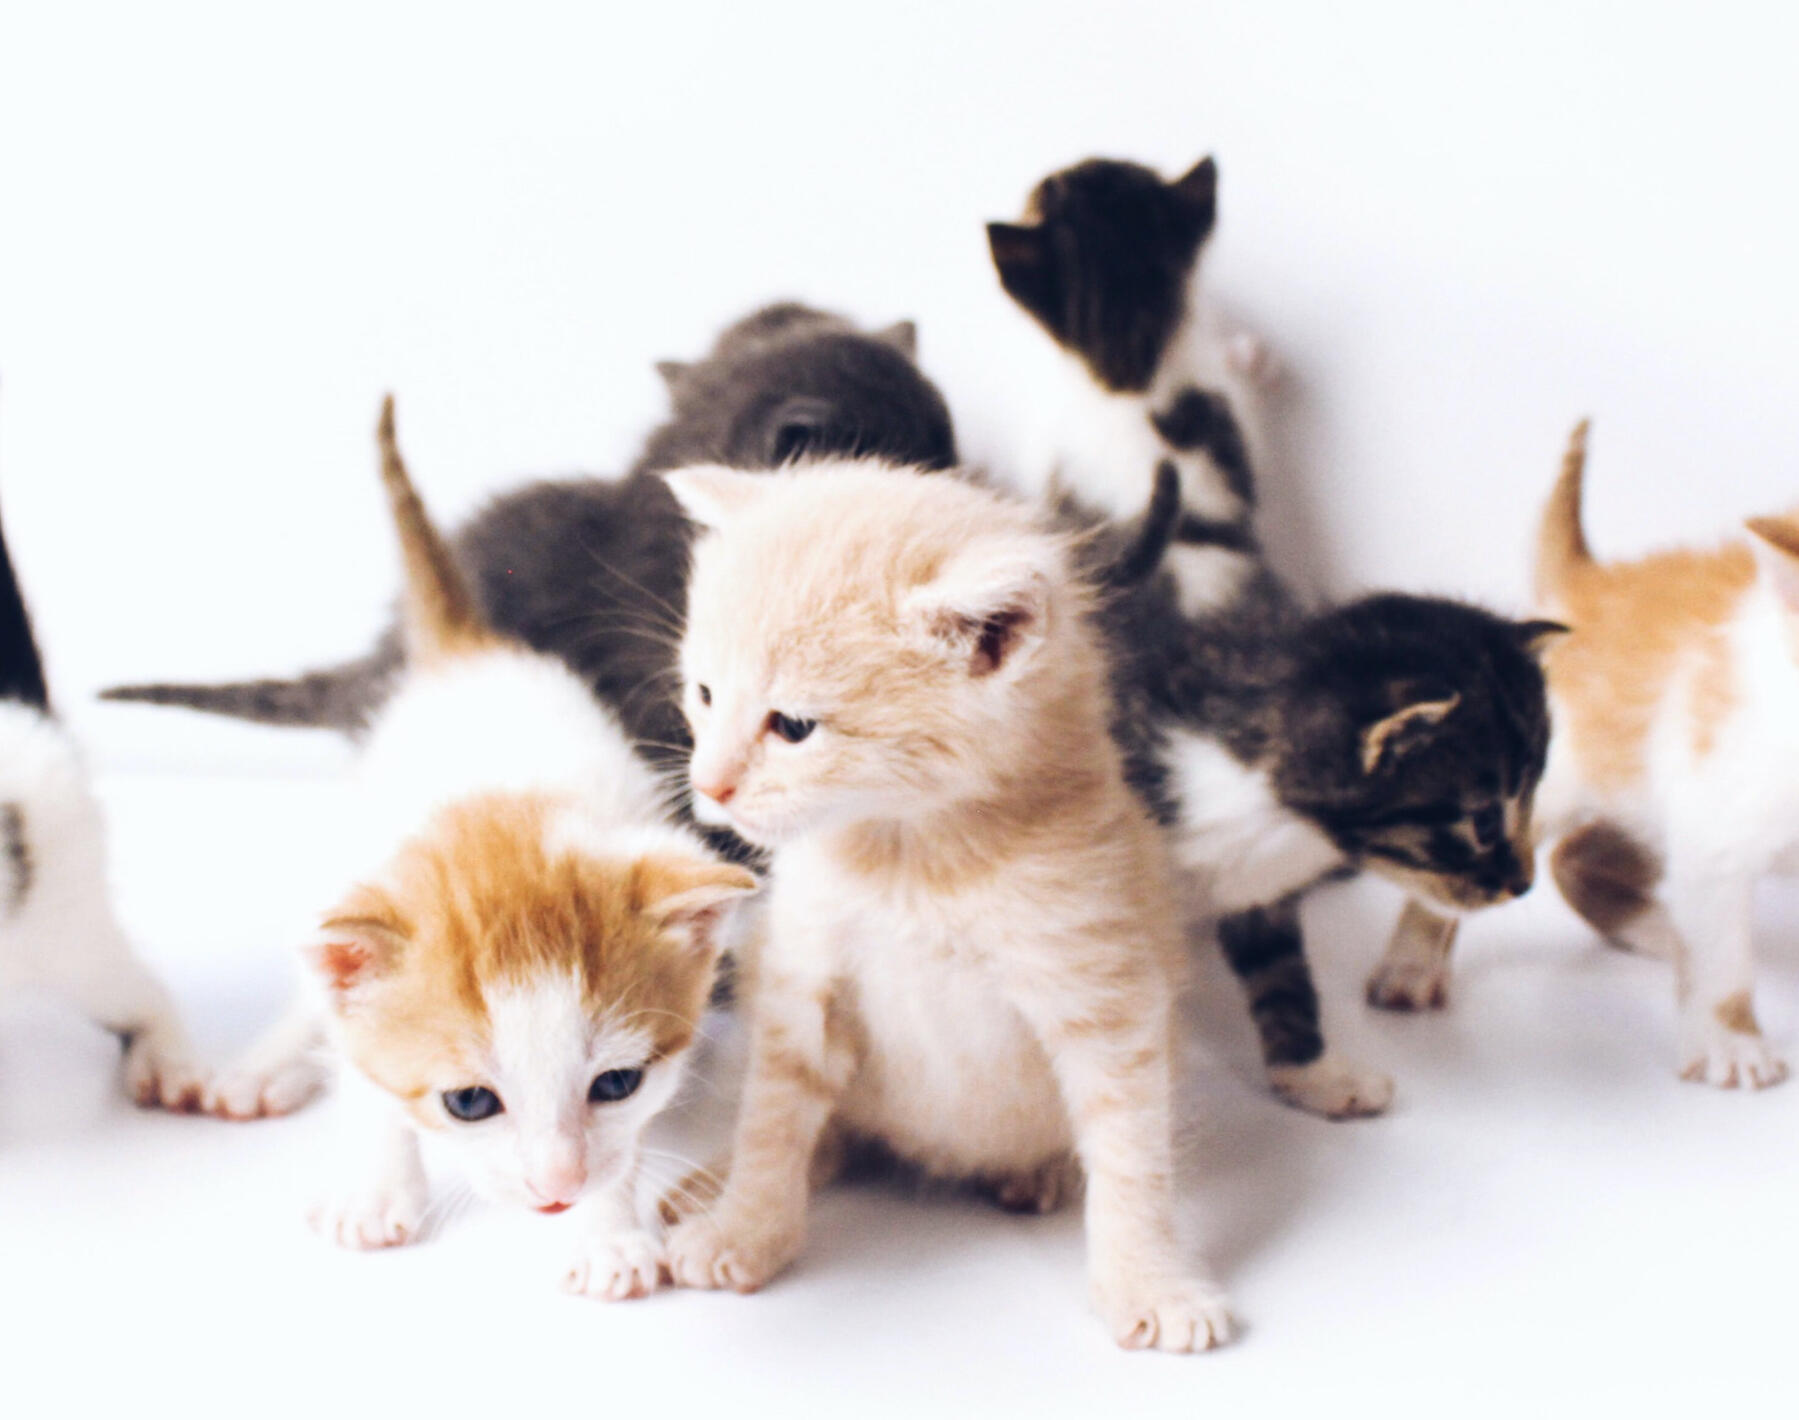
973 944
1673 774
523 968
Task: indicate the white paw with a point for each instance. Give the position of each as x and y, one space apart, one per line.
1715 1055
713 1251
1336 1089
160 1075
1169 1316
246 1093
616 1267
381 1216
1401 984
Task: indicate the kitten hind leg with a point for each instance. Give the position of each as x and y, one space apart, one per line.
1265 949
1607 876
1413 974
1720 1040
283 1070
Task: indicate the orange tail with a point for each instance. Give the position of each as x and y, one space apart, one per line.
1561 546
441 616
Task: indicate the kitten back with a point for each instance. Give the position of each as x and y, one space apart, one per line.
1562 550
441 618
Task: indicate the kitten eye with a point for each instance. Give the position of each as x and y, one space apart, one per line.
1488 823
790 729
705 694
614 1085
472 1103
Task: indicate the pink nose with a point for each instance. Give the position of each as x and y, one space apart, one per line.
720 792
558 1187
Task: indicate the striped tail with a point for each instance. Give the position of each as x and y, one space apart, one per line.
343 697
1562 549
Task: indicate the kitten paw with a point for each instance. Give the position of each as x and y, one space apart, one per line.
1402 985
1169 1316
371 1218
264 1094
616 1268
709 1252
159 1074
1043 1189
1333 1088
1730 1060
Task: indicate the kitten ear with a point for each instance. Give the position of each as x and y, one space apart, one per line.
1022 257
1776 546
357 944
989 604
796 428
672 372
1197 190
710 495
902 335
1407 726
687 895
1534 637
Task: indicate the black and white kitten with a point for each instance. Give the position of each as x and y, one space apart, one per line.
594 570
1280 748
57 926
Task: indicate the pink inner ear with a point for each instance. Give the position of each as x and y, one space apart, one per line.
342 963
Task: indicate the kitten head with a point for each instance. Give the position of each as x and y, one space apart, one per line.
527 984
790 382
1103 259
864 644
1414 733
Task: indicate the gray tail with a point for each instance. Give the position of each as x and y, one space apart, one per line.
1155 527
338 698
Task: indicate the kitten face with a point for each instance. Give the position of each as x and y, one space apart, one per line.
528 988
1418 732
1103 258
856 637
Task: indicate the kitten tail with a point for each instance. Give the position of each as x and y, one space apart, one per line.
1155 530
1562 549
441 618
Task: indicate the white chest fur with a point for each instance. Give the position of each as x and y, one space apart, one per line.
1234 839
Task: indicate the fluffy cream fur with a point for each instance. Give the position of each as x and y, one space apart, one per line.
973 942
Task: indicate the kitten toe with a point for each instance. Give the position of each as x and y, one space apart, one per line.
263 1094
616 1268
1408 986
160 1075
371 1218
1175 1316
1043 1189
1731 1060
1333 1088
702 1252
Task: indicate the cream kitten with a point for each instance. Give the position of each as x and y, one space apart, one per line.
523 968
972 942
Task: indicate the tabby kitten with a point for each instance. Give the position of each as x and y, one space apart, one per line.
969 961
523 968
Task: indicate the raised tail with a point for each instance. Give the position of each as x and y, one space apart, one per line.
1561 545
342 697
21 668
1155 528
441 617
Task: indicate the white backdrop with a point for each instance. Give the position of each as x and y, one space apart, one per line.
223 235
1460 226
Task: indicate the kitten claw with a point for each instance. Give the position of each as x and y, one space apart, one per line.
1174 1316
375 1218
702 1252
1731 1060
1409 986
158 1075
617 1268
263 1094
1333 1088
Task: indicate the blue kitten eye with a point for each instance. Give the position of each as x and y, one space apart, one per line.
472 1103
613 1086
705 694
790 729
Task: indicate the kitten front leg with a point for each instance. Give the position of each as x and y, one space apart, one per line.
619 1259
800 1062
1720 1041
1266 951
382 1203
282 1071
1114 1063
119 993
1413 975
